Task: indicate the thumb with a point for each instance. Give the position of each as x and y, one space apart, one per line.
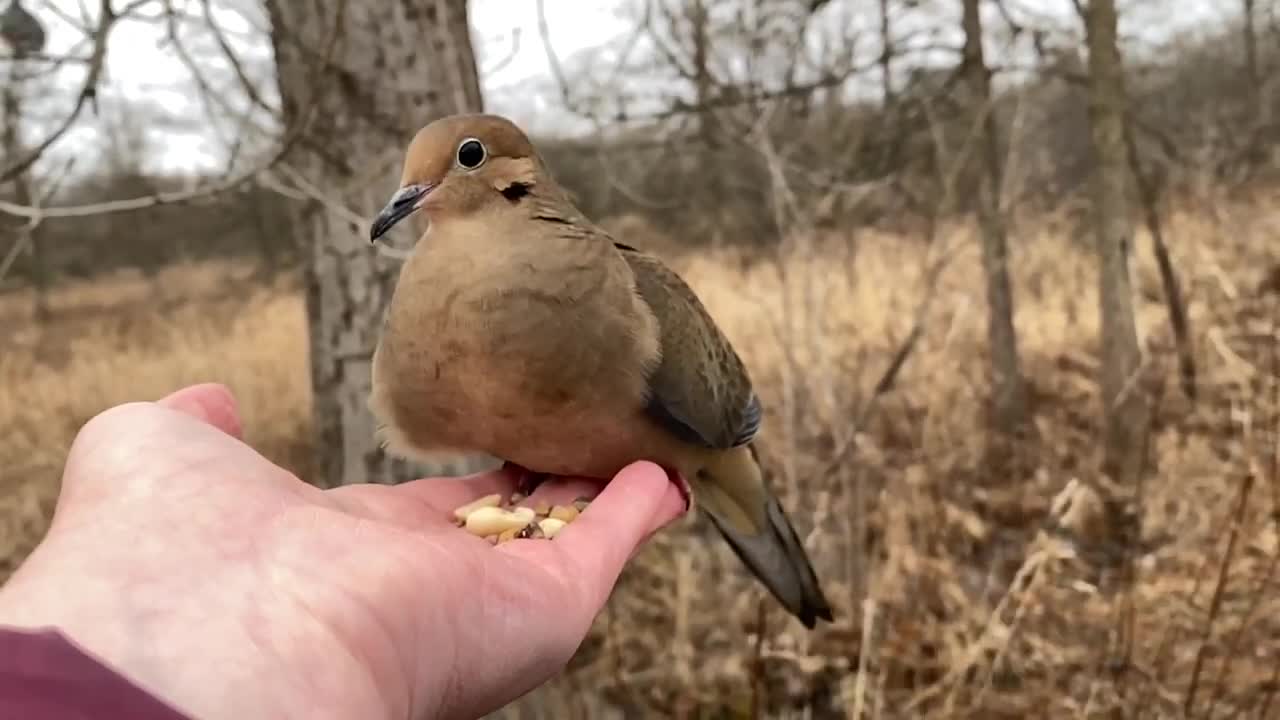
211 403
633 505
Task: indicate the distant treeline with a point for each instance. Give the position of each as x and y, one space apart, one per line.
701 178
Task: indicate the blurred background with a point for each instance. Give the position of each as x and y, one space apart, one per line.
1006 274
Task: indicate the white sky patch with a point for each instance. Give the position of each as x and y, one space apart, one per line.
185 136
141 65
516 72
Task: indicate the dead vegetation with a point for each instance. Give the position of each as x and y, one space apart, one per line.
965 582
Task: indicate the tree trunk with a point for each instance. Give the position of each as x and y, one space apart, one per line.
1251 50
16 83
1008 389
1124 406
359 79
700 30
886 55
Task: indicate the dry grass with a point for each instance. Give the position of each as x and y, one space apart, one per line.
959 577
112 341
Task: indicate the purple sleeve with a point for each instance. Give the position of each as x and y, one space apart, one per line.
44 676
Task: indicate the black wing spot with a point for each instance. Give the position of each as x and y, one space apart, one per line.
515 191
545 217
625 248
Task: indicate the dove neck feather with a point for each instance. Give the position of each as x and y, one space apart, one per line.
533 250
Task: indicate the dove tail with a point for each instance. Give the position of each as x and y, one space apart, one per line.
730 488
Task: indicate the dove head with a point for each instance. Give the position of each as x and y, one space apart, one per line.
459 165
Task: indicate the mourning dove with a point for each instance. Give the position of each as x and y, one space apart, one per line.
521 330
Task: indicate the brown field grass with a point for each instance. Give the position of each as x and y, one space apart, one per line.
961 584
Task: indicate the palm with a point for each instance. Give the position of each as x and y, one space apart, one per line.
437 621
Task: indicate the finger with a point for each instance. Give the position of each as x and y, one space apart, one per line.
211 403
146 446
635 503
420 503
444 494
562 491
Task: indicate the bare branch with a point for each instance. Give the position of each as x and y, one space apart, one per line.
250 90
291 137
1149 196
888 378
26 233
507 59
554 62
88 89
52 61
308 191
38 214
1215 602
84 23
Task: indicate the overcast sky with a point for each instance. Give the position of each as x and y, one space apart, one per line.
141 69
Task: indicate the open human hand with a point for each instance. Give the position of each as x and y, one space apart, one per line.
229 588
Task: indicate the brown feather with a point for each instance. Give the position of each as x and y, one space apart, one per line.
520 330
701 385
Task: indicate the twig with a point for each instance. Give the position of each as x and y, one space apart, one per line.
757 661
88 89
1274 469
1215 604
1233 647
251 91
898 361
1243 369
84 23
26 233
42 64
208 98
864 652
287 143
314 193
557 72
729 95
135 203
1148 193
506 60
1272 685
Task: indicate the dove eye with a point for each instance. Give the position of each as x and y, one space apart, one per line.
471 153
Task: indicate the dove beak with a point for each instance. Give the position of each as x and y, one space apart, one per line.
404 203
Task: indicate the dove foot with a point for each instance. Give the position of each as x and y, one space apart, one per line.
686 492
526 480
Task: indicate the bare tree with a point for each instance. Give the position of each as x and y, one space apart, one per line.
357 79
1124 406
1009 395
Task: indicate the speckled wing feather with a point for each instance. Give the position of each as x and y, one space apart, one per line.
701 390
